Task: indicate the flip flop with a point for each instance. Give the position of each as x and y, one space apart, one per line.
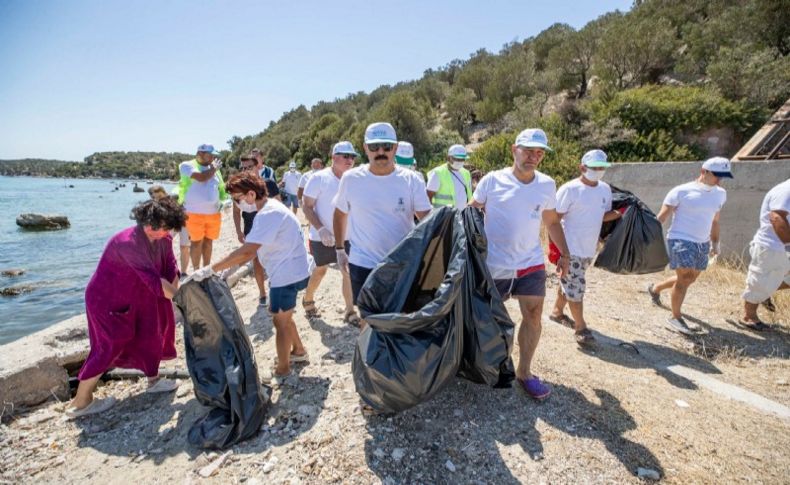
297 359
585 338
310 309
351 318
563 320
95 407
162 386
755 326
768 304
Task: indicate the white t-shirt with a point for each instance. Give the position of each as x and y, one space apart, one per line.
513 214
381 211
322 187
282 252
695 206
291 180
201 197
458 181
306 178
584 207
777 199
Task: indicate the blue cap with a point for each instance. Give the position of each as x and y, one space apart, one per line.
206 148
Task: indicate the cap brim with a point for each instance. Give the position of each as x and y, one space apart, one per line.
404 160
380 140
535 145
346 153
724 175
597 164
460 157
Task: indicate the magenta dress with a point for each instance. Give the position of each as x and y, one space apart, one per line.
130 322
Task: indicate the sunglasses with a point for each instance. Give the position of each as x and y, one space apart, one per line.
346 156
374 147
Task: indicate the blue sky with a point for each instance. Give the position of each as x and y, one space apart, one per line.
86 76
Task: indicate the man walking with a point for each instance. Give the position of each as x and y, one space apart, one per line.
583 204
377 203
451 183
404 157
516 199
769 269
693 234
201 191
316 164
266 172
244 213
319 210
290 185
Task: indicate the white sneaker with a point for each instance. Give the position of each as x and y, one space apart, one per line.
678 325
163 385
95 407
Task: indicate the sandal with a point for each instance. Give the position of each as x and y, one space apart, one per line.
95 407
768 304
563 320
163 385
310 310
757 326
351 318
585 337
296 359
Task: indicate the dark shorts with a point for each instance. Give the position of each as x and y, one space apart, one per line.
324 255
358 275
283 298
248 217
533 284
290 200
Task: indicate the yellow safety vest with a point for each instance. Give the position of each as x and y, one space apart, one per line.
446 193
185 182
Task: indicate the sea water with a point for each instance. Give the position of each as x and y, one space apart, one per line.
57 264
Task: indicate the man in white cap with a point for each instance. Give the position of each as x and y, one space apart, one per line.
516 200
404 157
290 185
583 204
319 210
692 236
201 191
769 269
316 164
450 183
378 203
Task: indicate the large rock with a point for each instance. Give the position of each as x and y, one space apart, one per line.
42 222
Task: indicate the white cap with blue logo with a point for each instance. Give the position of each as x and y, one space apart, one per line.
533 138
344 148
719 166
457 151
595 159
380 133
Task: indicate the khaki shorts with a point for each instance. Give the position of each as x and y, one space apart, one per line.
767 270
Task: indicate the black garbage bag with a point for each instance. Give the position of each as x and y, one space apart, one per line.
431 314
633 244
222 365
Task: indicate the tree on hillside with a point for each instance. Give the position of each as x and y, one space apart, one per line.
459 106
547 40
476 74
406 116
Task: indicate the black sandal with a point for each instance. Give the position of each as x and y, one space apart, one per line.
310 309
563 320
585 337
757 326
351 318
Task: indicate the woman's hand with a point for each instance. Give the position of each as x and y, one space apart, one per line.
168 288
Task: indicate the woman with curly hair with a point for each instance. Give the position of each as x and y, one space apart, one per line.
130 316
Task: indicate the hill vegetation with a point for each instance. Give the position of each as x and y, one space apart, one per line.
141 165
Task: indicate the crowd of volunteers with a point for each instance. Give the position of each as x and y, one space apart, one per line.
357 213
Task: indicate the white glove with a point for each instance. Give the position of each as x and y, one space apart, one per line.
715 248
342 260
327 238
217 165
202 273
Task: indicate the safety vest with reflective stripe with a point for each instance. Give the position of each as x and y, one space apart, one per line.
185 182
446 193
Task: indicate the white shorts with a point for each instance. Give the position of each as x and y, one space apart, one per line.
767 270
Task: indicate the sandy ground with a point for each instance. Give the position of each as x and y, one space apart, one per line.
614 409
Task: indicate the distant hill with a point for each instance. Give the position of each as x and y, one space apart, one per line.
143 165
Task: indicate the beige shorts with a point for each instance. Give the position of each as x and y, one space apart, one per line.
767 270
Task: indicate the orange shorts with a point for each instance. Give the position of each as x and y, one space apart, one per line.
203 226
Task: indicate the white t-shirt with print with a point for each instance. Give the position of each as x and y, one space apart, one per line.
291 180
584 207
282 252
322 187
513 214
201 197
458 181
381 210
777 199
695 207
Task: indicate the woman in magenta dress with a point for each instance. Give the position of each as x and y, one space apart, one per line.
130 315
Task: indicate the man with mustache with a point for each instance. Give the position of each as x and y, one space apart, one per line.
516 200
379 203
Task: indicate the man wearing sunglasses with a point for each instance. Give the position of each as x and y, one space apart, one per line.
379 203
451 183
319 210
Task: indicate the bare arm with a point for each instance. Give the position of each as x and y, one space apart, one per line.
339 222
612 216
205 176
664 213
237 223
300 193
168 288
477 204
421 214
430 193
715 230
552 222
308 207
240 256
781 227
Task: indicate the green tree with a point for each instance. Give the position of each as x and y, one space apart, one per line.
460 108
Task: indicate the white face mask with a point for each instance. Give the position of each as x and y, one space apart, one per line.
594 175
458 165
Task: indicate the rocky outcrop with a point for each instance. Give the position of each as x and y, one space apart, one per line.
42 222
11 272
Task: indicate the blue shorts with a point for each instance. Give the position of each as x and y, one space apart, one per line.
532 284
688 254
283 298
290 200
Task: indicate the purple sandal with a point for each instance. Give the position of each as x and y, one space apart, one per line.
535 388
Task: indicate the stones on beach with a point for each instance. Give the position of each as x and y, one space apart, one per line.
11 272
15 290
42 222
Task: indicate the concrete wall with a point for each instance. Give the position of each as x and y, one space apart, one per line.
740 216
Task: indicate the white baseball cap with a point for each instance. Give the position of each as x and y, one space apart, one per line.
718 166
292 164
404 155
595 159
457 151
533 138
344 147
380 133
